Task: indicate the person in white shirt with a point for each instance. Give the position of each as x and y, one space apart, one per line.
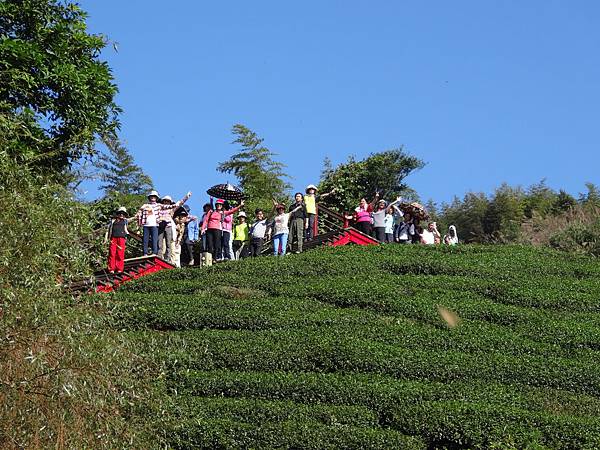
452 237
431 235
280 228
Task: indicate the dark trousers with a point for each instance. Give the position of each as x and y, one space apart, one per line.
311 226
297 233
256 246
365 227
187 254
213 243
379 233
225 241
240 249
389 237
150 233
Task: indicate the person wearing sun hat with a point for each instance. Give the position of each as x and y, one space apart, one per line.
280 227
241 237
212 227
117 235
379 221
148 218
310 202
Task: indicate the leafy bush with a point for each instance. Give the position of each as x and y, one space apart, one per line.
64 380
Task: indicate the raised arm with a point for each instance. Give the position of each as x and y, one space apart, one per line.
183 200
234 210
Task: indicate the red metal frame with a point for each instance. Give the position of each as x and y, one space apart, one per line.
353 236
157 265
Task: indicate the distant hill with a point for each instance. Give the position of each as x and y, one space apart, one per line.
347 348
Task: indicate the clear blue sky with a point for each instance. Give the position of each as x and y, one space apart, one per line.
483 91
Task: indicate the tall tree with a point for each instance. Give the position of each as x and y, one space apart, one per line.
55 93
258 174
118 172
382 172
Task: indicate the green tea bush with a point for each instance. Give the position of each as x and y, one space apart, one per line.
348 345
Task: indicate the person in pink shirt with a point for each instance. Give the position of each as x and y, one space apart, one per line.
212 227
363 215
226 242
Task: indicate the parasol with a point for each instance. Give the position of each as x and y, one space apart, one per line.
226 192
415 209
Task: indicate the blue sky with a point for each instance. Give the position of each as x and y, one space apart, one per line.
483 91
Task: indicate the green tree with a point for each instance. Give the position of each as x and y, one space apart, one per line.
118 172
55 93
563 202
591 197
539 200
467 215
382 172
258 174
505 212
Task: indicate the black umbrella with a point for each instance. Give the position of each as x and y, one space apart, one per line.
226 192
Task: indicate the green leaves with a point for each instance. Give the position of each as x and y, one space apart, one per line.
381 172
347 345
258 174
55 94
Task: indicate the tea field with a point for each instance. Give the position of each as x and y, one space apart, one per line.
346 348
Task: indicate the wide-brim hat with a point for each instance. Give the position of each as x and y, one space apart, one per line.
167 198
242 214
121 209
280 206
154 194
311 186
220 201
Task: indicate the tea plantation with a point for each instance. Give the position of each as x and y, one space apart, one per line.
346 348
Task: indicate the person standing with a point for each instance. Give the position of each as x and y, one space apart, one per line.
406 230
241 237
148 218
227 239
117 235
212 227
310 202
257 232
430 235
298 222
281 228
379 219
451 238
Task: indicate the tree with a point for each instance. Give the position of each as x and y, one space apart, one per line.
539 200
592 197
258 174
55 94
381 172
563 202
467 215
505 212
118 172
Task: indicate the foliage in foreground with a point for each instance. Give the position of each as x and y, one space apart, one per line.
345 347
64 380
55 93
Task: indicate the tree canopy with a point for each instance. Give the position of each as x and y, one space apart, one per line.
55 93
258 174
382 172
118 171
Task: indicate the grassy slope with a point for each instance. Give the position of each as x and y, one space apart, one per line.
345 348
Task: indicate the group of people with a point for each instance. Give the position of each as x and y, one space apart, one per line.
224 232
388 223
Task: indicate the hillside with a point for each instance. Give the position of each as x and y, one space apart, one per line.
345 347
